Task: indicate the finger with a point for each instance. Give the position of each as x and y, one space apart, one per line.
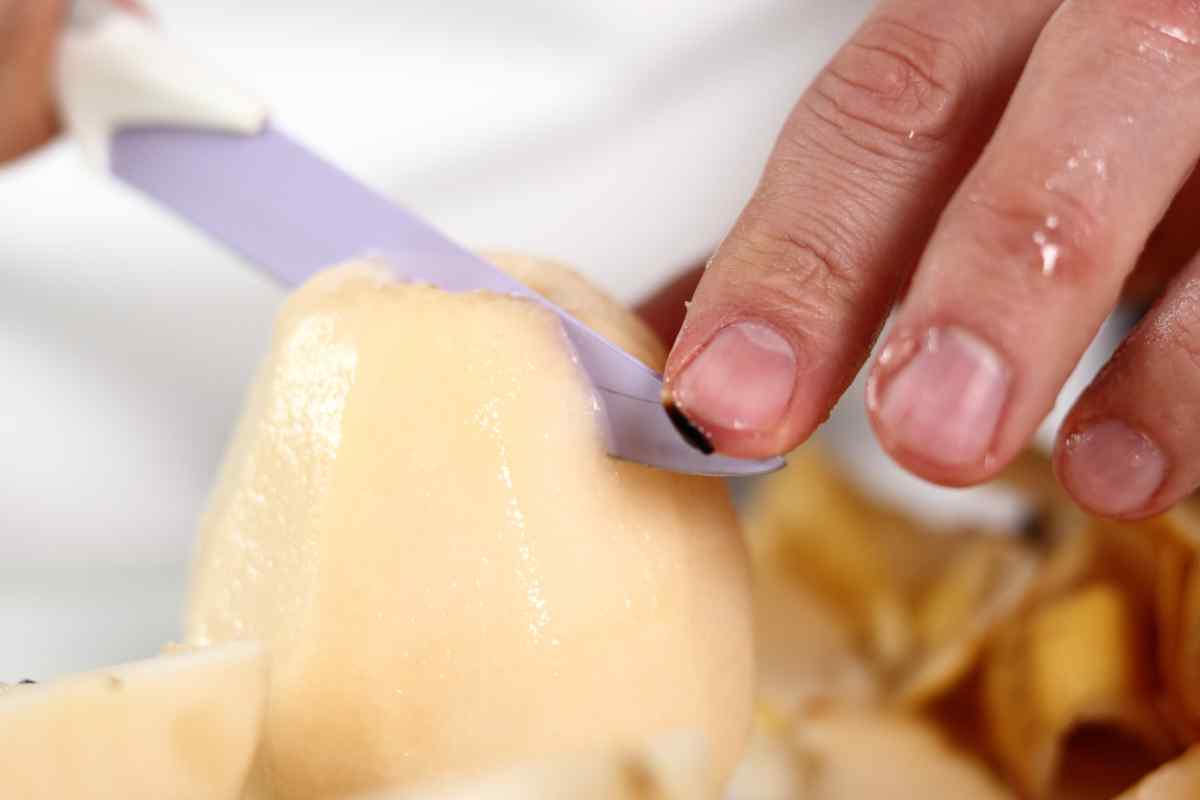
1030 256
787 311
664 310
28 33
1172 245
1131 445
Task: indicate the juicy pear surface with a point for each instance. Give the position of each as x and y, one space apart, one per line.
418 514
180 726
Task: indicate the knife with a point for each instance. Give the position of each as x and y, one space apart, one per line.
199 145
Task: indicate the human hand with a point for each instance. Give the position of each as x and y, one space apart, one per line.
1004 171
29 33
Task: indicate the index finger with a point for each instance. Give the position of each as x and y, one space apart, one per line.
1031 255
787 311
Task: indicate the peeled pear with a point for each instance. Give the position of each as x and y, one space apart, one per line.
182 726
418 514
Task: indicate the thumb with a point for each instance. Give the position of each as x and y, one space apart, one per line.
793 299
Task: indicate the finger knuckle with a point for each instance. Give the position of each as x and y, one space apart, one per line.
895 88
812 272
1057 234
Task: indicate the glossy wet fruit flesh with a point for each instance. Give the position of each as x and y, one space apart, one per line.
418 515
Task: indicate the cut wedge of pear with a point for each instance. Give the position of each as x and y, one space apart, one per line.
181 726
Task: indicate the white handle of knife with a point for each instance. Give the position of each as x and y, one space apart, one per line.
116 69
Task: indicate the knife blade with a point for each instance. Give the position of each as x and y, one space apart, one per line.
292 213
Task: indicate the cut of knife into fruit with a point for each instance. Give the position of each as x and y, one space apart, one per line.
671 767
419 516
181 726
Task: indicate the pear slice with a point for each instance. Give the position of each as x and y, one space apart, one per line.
183 726
671 767
419 516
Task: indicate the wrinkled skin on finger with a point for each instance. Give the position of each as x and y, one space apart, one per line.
1032 252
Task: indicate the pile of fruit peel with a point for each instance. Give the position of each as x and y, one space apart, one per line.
899 661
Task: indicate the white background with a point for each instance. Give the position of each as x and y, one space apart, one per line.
621 136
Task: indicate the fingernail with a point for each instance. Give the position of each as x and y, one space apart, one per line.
742 380
944 403
1112 468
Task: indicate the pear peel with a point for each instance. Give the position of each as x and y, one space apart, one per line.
1073 662
907 609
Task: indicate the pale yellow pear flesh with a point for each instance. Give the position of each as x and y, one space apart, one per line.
181 726
419 517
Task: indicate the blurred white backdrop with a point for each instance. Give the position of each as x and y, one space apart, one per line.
622 137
